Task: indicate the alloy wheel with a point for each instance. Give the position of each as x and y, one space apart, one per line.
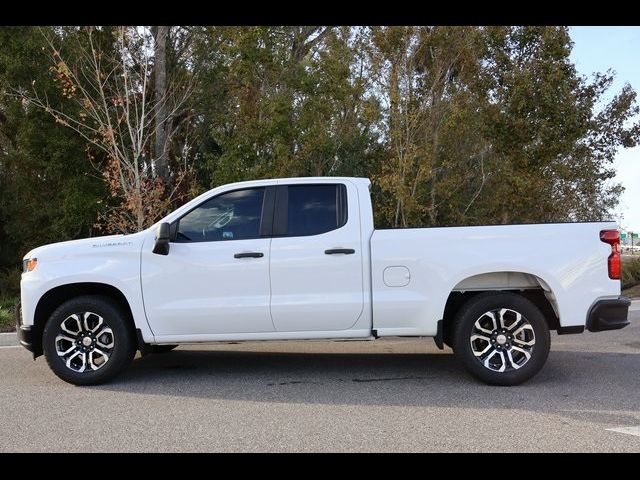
85 342
502 340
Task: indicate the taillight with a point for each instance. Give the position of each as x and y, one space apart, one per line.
612 237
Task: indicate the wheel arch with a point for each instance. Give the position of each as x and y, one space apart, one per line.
56 296
528 285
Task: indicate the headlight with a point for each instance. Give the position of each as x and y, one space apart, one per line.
29 264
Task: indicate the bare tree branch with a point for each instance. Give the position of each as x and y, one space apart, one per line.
118 114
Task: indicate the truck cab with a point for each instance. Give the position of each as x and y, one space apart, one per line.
260 259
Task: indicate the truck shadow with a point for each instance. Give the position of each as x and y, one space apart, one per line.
570 384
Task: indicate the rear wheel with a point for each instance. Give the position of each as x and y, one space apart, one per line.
501 338
88 340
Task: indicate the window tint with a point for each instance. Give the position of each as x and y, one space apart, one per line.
230 216
314 209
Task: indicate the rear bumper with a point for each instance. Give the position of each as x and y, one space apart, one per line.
609 314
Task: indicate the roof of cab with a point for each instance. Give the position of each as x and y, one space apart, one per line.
280 181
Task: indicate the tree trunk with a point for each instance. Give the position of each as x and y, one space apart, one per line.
505 217
160 51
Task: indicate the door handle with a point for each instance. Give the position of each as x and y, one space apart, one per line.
249 255
346 251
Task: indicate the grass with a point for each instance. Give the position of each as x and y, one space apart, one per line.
631 277
7 307
630 273
632 292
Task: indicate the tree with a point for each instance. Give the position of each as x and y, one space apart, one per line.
493 125
284 101
552 149
48 190
108 77
160 72
427 77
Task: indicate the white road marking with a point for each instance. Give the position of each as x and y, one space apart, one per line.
628 430
635 306
11 346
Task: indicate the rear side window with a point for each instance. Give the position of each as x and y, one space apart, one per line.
315 209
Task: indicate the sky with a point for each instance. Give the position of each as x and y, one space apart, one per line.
597 49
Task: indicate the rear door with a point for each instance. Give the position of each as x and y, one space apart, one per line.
316 258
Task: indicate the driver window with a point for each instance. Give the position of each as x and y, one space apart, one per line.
230 216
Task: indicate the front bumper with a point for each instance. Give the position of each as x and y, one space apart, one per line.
25 332
25 335
609 314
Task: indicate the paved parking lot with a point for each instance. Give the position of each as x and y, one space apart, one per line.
386 395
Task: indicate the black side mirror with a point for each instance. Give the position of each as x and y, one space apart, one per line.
161 246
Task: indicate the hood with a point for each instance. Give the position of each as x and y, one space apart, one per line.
84 245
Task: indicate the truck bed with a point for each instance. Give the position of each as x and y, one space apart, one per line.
567 260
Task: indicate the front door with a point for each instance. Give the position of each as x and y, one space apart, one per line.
316 258
215 279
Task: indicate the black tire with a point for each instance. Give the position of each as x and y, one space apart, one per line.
465 326
161 348
121 337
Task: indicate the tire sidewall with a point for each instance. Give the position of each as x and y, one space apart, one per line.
465 320
114 318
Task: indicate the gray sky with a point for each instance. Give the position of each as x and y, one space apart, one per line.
597 49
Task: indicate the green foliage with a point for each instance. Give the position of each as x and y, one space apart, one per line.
552 150
48 189
494 125
285 101
631 273
7 314
435 155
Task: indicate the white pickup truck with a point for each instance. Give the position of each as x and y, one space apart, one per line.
299 258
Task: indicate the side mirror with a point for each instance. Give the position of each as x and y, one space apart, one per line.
161 246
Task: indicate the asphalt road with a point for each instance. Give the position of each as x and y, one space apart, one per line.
387 395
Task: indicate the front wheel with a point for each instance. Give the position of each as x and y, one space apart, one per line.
88 341
501 338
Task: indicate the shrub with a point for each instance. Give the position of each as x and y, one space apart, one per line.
631 273
7 307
